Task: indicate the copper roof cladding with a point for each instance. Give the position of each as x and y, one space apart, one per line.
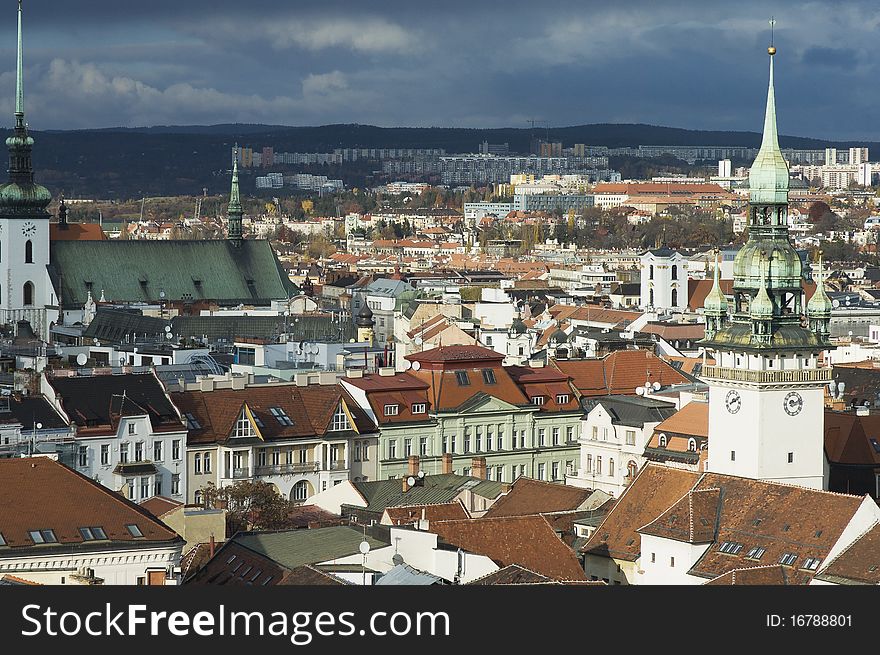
529 541
859 563
528 496
653 491
310 409
620 372
97 403
41 494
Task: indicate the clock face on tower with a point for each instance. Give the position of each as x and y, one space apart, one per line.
793 403
733 401
28 229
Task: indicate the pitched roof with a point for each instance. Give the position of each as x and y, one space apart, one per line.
76 232
852 439
774 574
158 506
511 574
309 411
28 410
42 494
859 563
619 372
691 420
529 541
433 490
139 270
528 496
311 576
97 403
293 548
455 354
409 514
632 411
404 574
650 494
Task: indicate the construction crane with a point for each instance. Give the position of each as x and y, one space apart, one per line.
534 122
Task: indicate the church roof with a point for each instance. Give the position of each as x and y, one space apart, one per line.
138 271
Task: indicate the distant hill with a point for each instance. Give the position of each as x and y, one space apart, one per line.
183 159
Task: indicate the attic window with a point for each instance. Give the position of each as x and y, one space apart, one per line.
538 400
281 416
43 536
462 378
788 559
134 530
730 547
818 533
419 408
811 564
230 559
340 419
93 533
786 527
258 421
191 422
756 553
756 522
630 542
562 399
488 376
704 521
392 410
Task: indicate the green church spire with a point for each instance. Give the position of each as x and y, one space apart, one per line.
768 176
233 210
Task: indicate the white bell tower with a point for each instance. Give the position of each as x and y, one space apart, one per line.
766 386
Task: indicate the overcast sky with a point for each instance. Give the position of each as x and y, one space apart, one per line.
692 64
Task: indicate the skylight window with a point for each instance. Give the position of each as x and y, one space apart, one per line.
462 378
731 548
92 533
134 530
488 376
2 540
788 559
811 564
43 536
191 422
281 416
756 553
258 421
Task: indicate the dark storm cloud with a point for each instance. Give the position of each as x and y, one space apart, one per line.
458 63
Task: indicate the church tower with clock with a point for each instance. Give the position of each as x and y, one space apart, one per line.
26 292
766 386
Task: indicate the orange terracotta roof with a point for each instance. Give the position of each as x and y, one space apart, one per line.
77 232
859 563
409 514
528 541
690 420
774 574
528 496
620 372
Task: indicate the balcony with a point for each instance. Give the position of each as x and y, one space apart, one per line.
288 469
240 473
338 465
820 375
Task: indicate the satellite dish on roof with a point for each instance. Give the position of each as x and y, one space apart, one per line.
421 474
411 481
416 366
364 547
640 391
417 341
81 359
407 365
656 386
168 328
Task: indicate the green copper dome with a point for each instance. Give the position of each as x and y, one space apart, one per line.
21 197
768 176
820 304
785 266
715 303
761 308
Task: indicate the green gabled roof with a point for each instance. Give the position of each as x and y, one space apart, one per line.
307 328
137 271
437 489
292 548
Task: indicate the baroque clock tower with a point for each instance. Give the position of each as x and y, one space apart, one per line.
766 387
26 292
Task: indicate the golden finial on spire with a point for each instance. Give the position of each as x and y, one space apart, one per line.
772 49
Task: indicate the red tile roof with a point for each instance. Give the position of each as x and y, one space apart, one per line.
620 372
159 505
41 494
410 514
76 232
528 496
859 563
528 541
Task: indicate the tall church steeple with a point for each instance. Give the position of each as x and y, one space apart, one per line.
21 194
233 211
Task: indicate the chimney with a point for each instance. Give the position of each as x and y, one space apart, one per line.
326 378
478 467
447 463
301 379
413 465
239 382
386 371
405 483
211 546
206 383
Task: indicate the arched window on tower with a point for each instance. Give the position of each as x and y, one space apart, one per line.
674 272
28 252
28 293
675 297
651 297
651 271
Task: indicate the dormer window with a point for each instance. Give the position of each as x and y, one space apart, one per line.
243 427
340 419
392 410
419 408
562 399
537 400
692 445
663 440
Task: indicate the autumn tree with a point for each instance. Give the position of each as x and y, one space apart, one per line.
249 505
